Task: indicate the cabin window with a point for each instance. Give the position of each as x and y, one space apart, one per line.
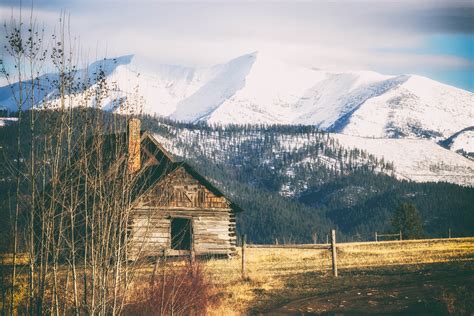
181 233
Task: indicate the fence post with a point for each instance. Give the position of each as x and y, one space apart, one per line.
244 273
400 235
334 254
376 236
449 232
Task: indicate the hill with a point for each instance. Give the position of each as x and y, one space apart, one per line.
295 181
292 181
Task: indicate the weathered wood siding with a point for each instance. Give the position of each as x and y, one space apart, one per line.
149 234
179 194
179 189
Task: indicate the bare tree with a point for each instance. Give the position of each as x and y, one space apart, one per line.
79 186
75 184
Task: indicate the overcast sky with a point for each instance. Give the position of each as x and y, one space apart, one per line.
431 38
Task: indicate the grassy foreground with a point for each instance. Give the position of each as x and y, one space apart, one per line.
407 275
425 277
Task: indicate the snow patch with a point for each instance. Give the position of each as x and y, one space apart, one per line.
464 141
7 120
415 159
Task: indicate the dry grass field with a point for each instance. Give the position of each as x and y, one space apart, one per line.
407 275
434 276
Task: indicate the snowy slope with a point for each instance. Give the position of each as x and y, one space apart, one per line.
461 142
46 92
464 141
416 159
418 108
256 88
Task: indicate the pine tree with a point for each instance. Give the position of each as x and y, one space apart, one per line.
408 221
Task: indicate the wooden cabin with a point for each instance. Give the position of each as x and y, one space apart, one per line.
178 211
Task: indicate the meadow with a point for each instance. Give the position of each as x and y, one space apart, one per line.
430 276
426 276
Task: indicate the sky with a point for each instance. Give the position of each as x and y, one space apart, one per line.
433 38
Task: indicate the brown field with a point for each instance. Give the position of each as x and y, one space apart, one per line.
423 274
434 276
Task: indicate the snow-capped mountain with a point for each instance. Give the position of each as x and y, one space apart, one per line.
256 88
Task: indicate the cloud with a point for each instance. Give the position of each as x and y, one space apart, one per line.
326 34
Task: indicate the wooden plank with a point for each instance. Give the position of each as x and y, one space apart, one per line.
214 252
148 228
299 246
214 232
146 241
147 231
159 207
334 252
205 242
211 219
210 224
244 241
212 228
211 241
148 236
199 215
212 245
151 222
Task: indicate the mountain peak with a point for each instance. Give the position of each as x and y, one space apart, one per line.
108 65
258 88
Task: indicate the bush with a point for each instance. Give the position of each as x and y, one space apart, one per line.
178 291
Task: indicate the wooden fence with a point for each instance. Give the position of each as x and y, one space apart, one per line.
331 247
399 235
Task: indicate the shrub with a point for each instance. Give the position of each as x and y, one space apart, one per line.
177 291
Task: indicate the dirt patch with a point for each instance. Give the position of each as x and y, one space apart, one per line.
434 290
401 300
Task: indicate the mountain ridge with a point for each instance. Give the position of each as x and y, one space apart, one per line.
257 89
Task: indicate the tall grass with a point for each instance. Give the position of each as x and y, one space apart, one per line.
269 269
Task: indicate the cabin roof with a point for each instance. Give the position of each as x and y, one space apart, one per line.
152 174
112 157
208 184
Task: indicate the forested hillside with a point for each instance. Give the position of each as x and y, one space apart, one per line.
293 182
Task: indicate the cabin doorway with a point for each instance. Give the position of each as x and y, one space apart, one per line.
181 233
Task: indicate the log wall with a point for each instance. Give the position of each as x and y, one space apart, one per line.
180 195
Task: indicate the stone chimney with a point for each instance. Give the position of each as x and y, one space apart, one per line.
134 158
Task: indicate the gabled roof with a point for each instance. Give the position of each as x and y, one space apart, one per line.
208 185
152 174
109 158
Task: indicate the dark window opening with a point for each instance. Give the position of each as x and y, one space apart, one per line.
181 234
